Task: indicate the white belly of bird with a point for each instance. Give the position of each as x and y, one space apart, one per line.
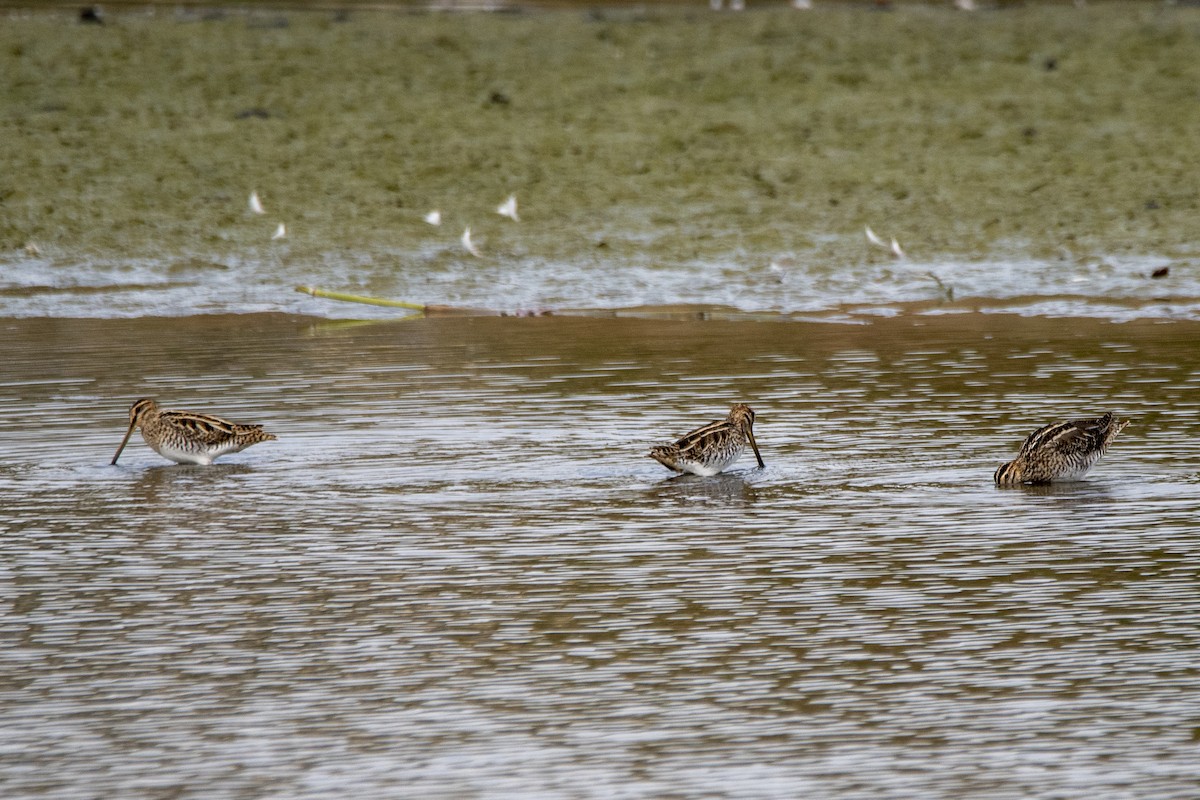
1079 467
711 467
202 457
1073 474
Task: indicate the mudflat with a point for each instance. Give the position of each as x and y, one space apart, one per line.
1021 130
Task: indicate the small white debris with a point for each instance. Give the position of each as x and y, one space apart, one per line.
469 245
509 208
780 268
280 232
434 217
256 206
874 239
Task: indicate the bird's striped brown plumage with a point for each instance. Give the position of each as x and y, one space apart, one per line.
1061 451
712 448
186 437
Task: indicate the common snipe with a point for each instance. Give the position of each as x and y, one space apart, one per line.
1062 451
708 450
186 437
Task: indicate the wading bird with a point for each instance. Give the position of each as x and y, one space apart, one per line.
712 448
1062 451
188 438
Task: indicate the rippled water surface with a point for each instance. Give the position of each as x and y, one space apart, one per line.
456 574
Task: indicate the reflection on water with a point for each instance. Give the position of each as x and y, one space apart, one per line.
456 573
729 488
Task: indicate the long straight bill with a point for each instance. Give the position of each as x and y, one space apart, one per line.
124 442
754 445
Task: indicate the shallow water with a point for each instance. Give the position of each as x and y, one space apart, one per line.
456 574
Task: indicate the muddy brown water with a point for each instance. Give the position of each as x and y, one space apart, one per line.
456 574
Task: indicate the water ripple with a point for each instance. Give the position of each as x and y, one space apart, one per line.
457 573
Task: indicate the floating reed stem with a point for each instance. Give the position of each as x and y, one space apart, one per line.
358 298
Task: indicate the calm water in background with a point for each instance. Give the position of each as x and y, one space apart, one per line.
457 575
